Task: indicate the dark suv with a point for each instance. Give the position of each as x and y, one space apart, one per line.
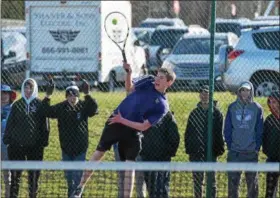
161 44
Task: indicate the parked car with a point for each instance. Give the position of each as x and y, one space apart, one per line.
197 29
155 22
162 42
13 58
266 18
190 60
20 29
255 58
230 25
236 25
143 34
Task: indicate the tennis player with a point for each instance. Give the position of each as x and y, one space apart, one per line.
141 109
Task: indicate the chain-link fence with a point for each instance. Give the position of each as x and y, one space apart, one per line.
65 41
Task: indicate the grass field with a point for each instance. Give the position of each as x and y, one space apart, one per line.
103 184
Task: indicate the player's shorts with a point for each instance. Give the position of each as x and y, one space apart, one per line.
128 139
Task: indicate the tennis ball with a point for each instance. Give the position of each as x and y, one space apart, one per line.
114 21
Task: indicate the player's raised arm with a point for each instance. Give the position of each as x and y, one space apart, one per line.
128 79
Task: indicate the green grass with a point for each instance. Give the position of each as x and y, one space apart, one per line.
53 184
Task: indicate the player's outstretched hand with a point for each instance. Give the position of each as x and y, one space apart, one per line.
77 193
50 87
85 87
117 118
127 68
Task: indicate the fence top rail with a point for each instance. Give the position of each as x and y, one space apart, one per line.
144 166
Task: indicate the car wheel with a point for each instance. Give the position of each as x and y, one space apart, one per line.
266 86
112 82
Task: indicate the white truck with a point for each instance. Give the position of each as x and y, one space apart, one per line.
67 41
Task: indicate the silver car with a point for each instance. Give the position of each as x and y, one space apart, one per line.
190 59
255 58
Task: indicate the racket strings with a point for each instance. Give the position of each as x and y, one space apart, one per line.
116 27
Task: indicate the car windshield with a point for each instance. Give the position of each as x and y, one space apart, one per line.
229 27
155 24
166 38
197 46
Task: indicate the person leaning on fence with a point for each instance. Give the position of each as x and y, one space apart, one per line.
26 135
271 142
141 109
72 116
196 135
243 135
160 144
8 96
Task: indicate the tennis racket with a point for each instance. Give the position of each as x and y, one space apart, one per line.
117 29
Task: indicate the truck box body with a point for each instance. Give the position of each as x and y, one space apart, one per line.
67 40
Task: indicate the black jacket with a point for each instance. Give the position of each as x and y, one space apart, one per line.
27 126
72 123
196 132
271 138
161 142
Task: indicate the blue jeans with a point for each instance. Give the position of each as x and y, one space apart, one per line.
73 177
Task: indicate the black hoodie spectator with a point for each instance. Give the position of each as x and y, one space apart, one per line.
197 130
27 134
271 142
72 123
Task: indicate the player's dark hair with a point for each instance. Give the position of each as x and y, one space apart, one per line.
169 73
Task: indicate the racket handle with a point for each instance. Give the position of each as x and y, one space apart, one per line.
124 59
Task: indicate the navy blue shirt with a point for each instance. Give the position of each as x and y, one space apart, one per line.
145 103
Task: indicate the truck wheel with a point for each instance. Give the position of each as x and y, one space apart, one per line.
112 82
266 84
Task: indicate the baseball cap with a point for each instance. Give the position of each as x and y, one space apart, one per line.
73 90
204 88
7 88
245 85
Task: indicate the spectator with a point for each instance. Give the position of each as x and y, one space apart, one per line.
160 143
26 134
7 98
139 177
141 109
271 142
243 134
196 136
72 115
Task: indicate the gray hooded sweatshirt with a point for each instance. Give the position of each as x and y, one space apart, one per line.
244 124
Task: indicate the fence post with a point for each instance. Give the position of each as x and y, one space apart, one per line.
211 87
